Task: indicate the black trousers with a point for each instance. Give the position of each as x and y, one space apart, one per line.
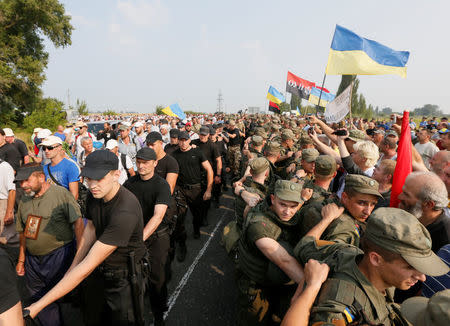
107 297
192 198
158 246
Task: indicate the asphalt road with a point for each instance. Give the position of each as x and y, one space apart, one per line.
202 289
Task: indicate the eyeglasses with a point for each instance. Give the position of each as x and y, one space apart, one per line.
50 148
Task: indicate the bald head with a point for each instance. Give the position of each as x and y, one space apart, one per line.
439 161
427 186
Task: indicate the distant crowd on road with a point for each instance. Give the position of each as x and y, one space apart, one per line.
100 214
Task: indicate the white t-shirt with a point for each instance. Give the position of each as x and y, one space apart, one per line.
6 179
123 173
427 151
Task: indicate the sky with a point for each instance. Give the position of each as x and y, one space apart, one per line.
137 54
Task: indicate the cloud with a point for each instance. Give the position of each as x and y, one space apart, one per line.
123 38
144 13
80 21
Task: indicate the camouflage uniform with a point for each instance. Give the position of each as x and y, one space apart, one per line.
345 228
325 166
261 284
348 297
234 156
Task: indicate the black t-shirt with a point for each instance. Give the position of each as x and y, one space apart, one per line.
118 222
190 164
170 148
150 192
166 165
21 147
236 140
8 283
209 149
10 154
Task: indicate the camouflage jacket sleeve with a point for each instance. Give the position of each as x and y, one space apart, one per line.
321 250
331 312
342 230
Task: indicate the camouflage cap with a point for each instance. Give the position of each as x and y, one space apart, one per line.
310 154
362 184
261 132
273 147
432 311
259 165
305 139
232 123
287 134
325 165
276 126
356 135
257 140
287 190
401 232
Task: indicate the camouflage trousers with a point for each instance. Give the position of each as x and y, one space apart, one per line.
259 305
234 158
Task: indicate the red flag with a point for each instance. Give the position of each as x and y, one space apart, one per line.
298 86
274 107
404 161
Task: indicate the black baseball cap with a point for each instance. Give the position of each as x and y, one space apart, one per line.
174 133
204 131
212 130
153 137
183 135
99 163
25 171
146 154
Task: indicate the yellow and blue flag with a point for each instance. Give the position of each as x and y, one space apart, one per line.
351 54
275 96
174 110
297 113
324 98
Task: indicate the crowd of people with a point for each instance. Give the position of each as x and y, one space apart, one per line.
313 239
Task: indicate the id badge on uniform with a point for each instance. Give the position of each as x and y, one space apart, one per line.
32 227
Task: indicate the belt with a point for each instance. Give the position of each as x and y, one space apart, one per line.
161 232
191 186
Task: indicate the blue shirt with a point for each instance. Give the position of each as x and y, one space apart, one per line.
435 284
60 135
64 172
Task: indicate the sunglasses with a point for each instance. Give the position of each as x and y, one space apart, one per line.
50 148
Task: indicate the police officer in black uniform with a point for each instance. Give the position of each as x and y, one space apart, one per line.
111 252
153 193
191 161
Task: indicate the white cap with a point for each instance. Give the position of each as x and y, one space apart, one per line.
139 124
8 132
35 130
43 133
51 140
164 127
111 144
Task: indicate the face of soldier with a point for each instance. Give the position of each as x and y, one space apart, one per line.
102 188
398 273
145 168
308 166
284 209
360 206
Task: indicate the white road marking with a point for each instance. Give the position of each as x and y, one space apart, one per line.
174 296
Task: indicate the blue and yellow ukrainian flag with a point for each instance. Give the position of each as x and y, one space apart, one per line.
297 113
275 96
351 54
174 110
324 99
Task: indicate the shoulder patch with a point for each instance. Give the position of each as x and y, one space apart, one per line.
322 243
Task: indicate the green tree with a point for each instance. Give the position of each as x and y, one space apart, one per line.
386 111
23 58
428 110
159 109
48 114
109 112
296 102
345 81
81 107
284 107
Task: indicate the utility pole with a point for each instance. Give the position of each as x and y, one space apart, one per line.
68 99
220 102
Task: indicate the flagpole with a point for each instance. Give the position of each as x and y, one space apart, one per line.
321 90
350 108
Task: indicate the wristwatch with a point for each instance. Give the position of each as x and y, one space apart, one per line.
241 191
